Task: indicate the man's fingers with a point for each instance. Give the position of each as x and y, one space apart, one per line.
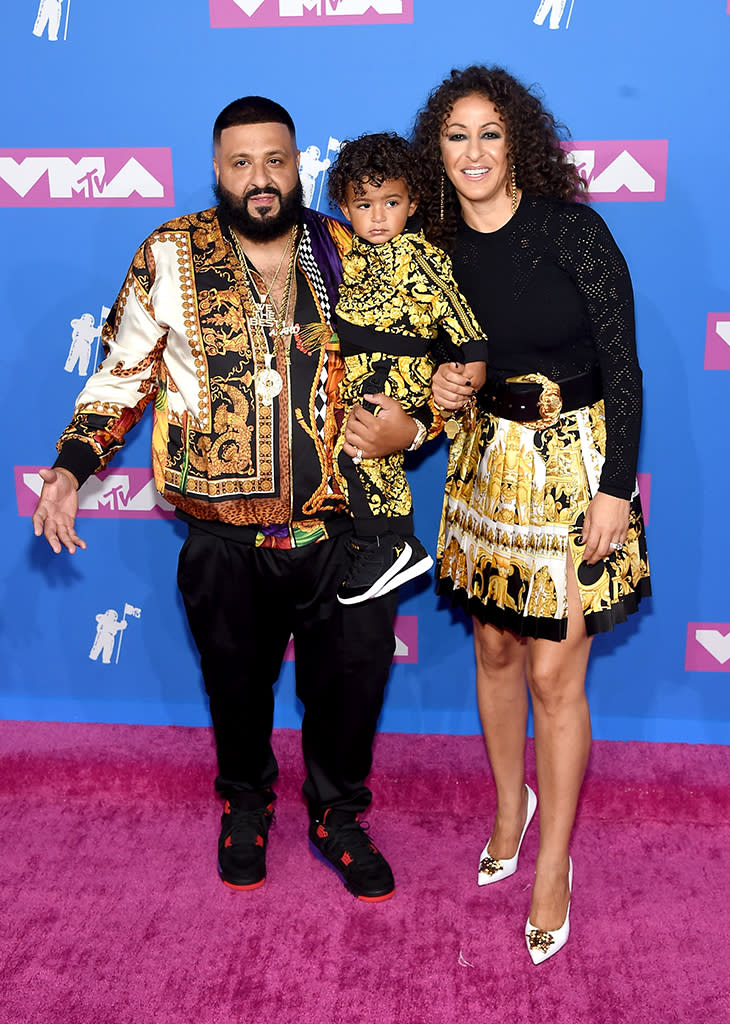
59 535
52 538
38 519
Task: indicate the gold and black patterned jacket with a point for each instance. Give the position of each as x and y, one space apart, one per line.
178 337
405 288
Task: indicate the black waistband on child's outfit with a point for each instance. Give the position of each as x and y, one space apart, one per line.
354 340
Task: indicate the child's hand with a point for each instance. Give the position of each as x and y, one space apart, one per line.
476 374
449 388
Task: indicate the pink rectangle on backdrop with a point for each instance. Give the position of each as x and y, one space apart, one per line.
406 641
622 170
127 493
708 647
86 177
297 13
644 482
717 341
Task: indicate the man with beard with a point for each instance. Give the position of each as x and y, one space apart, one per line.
224 325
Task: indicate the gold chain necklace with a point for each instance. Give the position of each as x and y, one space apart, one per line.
265 311
268 381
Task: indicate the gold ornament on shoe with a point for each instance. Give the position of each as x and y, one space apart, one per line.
540 940
490 866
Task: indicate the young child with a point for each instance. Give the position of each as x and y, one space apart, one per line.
397 291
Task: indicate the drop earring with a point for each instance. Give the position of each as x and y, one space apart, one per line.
514 190
442 194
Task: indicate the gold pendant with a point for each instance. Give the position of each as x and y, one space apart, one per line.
452 428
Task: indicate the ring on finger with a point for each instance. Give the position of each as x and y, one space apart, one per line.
616 545
357 457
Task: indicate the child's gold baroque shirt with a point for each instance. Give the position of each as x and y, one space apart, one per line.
406 286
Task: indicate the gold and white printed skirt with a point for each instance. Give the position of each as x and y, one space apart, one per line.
513 511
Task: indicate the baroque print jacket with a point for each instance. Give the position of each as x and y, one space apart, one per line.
180 337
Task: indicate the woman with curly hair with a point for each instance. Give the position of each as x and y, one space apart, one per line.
541 539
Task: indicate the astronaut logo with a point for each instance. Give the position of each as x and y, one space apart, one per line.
85 335
555 9
49 17
108 629
312 166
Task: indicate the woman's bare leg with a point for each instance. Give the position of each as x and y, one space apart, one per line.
502 700
556 676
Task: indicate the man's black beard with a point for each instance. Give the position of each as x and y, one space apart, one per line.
234 209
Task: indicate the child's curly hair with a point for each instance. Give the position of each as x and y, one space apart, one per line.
371 160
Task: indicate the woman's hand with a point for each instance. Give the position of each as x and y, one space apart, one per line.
449 386
606 523
372 436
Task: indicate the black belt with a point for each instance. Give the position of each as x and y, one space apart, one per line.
537 401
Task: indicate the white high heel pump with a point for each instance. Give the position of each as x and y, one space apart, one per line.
493 870
542 945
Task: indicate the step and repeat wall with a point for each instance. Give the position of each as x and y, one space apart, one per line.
106 133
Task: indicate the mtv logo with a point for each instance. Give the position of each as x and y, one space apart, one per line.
406 641
708 647
274 13
112 494
86 177
717 341
644 482
622 171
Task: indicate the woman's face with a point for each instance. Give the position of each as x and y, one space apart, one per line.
474 151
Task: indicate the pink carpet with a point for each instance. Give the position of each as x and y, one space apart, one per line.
112 911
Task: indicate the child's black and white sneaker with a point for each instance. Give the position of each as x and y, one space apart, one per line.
374 562
418 562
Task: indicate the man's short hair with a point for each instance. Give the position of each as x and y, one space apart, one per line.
252 110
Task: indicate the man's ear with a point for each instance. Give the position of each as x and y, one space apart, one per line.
216 170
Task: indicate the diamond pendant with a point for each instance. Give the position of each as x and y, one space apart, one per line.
268 385
268 382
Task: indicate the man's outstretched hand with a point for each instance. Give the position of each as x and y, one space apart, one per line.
55 513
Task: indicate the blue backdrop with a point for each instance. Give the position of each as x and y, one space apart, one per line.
105 133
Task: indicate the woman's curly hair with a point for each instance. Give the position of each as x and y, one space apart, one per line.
371 160
533 140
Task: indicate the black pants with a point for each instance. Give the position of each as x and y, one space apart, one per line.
243 603
363 486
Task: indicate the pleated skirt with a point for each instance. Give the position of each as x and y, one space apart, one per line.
513 512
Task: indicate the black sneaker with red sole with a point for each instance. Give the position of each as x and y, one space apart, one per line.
341 841
242 843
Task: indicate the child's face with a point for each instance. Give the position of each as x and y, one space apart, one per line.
380 213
